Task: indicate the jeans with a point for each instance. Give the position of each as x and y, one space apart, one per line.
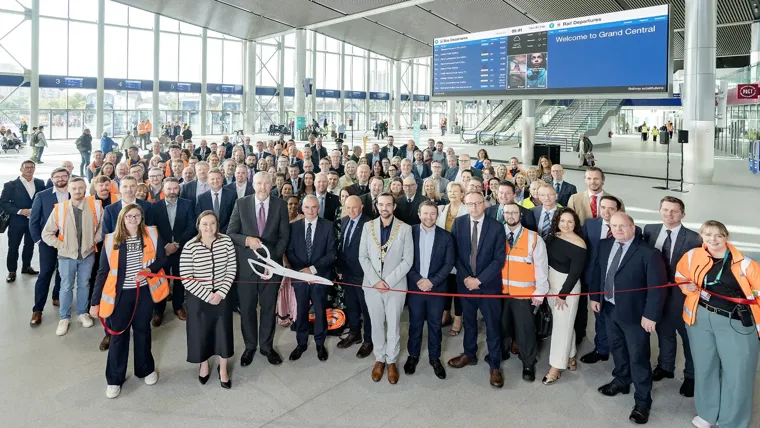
39 154
85 162
69 269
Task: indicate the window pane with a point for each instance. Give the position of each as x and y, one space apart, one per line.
320 80
290 40
189 58
18 43
59 8
168 24
357 74
214 61
332 62
212 33
169 49
332 45
116 13
290 67
186 28
115 56
233 63
140 54
86 10
269 70
53 34
83 44
140 18
10 5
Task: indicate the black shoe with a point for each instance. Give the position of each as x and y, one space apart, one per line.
296 354
594 357
247 357
438 369
612 389
321 353
639 415
203 379
687 389
659 374
351 339
11 277
505 355
29 271
225 385
411 365
273 357
579 339
364 350
529 373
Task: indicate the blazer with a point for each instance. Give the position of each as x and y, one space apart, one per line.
202 154
406 211
184 221
399 255
322 250
111 214
403 153
426 171
592 234
226 204
526 217
451 173
299 164
188 191
356 188
535 214
42 207
15 197
248 189
318 153
367 206
492 252
443 212
641 267
332 203
441 260
565 191
348 255
371 157
385 153
581 204
244 223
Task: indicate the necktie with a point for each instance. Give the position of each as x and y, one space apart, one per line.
511 239
609 281
374 207
609 231
547 224
292 161
666 246
321 207
216 203
347 238
593 206
556 188
474 247
261 220
308 243
410 200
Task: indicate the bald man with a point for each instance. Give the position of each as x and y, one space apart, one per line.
407 204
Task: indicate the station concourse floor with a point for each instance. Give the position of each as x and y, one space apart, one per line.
52 381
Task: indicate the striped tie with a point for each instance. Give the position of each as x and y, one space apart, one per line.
546 225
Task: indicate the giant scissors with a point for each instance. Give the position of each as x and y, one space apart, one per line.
275 268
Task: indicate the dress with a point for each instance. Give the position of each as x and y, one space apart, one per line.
209 327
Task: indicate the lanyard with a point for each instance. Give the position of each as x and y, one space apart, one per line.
516 238
720 272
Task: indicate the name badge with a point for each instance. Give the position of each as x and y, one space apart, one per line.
705 295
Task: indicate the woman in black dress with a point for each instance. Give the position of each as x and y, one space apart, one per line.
209 256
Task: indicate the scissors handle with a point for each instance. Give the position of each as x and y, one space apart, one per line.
265 258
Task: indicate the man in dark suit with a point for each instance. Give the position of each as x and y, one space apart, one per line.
544 213
455 174
506 195
257 221
42 207
374 156
479 273
328 203
16 200
197 187
127 189
174 220
434 257
564 189
241 186
407 151
407 205
219 199
311 250
389 151
202 152
350 272
674 240
362 180
627 263
420 169
318 151
369 199
293 177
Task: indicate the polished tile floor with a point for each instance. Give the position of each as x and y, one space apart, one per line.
59 381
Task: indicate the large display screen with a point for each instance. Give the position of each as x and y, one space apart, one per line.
625 52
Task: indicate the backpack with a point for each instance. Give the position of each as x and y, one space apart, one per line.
35 138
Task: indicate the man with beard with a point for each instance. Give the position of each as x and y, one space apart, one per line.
586 204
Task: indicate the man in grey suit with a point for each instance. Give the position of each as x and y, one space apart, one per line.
386 253
674 240
543 215
258 220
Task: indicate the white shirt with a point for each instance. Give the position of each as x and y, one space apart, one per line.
543 215
540 260
240 188
29 186
201 188
313 224
673 236
61 196
458 178
479 226
615 247
605 229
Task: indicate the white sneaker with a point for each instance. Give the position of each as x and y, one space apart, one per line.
152 378
113 391
700 423
85 320
63 328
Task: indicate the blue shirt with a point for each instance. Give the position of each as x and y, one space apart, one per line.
615 246
385 233
426 250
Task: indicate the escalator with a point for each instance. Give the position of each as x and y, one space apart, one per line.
507 115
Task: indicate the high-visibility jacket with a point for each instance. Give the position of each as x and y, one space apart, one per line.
159 288
148 126
519 171
695 264
518 276
168 169
140 129
161 195
114 188
61 210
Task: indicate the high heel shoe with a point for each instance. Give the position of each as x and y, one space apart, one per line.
203 379
225 385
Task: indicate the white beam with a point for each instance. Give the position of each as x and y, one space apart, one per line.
367 13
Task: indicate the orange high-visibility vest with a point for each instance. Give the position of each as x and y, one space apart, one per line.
518 276
148 127
168 169
114 188
140 129
159 288
60 211
161 195
694 266
519 171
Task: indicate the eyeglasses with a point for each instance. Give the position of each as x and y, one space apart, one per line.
474 204
133 217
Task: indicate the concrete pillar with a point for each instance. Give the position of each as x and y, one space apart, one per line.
281 83
34 84
313 77
204 78
157 122
451 115
366 90
250 88
397 98
528 130
429 120
342 80
390 90
410 73
99 97
300 76
698 95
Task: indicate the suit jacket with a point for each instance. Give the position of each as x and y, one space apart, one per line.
403 153
536 219
399 255
406 211
318 154
299 164
322 250
243 223
385 153
526 217
368 208
226 204
441 260
42 207
248 189
184 222
332 203
15 197
111 214
592 234
348 255
451 173
641 267
356 188
492 251
426 171
188 191
581 204
202 154
565 191
370 158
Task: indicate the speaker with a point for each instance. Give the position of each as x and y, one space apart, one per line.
683 136
350 122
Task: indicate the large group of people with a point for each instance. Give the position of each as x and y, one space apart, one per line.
393 227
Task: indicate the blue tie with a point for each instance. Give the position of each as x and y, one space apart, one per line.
556 188
546 225
347 239
308 242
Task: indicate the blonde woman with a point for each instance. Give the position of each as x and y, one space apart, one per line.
446 215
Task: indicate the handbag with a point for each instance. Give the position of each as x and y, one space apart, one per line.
5 219
543 318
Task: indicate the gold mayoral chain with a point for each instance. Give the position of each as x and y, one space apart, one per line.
384 248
